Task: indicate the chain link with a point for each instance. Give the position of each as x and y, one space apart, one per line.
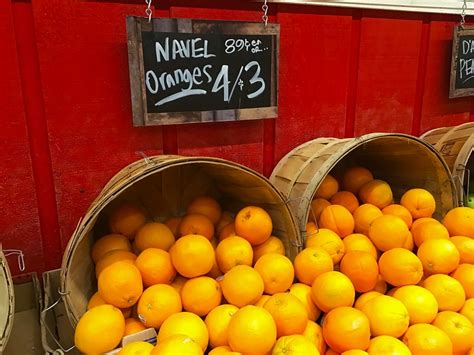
148 10
265 11
463 13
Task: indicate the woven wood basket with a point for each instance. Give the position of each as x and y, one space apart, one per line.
455 145
164 185
403 161
7 302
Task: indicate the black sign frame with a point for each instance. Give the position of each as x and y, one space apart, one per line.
454 88
141 116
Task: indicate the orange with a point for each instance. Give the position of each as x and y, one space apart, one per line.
448 291
328 240
312 262
417 335
222 350
400 267
233 251
387 345
120 284
381 285
332 289
468 309
99 330
327 187
294 344
338 219
261 301
419 202
133 326
399 211
362 270
388 232
422 220
252 331
108 243
346 328
329 351
173 225
311 229
359 242
458 328
346 199
206 206
464 273
200 295
242 285
438 256
155 267
277 272
185 323
409 242
465 246
127 220
429 230
314 333
303 293
112 257
95 301
136 348
420 303
376 192
387 316
364 215
177 344
254 224
364 298
460 221
273 245
354 352
192 255
178 283
154 235
157 303
226 218
317 206
288 312
355 177
196 224
217 323
227 231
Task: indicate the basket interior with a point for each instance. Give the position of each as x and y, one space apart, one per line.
165 193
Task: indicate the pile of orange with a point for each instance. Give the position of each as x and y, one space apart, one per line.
374 277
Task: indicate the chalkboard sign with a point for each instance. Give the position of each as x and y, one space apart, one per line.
462 62
184 71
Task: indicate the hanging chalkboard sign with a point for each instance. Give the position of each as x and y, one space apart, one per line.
462 62
184 71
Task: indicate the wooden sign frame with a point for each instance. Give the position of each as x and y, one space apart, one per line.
453 91
137 25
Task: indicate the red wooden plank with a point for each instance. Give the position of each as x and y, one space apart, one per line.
19 222
438 110
314 74
390 47
83 60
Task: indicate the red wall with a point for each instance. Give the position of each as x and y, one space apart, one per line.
65 98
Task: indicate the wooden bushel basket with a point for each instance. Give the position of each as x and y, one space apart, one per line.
403 161
163 186
455 145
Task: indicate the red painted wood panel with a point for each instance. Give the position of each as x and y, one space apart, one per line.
314 71
84 68
388 65
438 110
19 221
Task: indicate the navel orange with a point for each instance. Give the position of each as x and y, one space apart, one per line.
329 241
465 246
419 202
273 245
112 257
192 255
420 303
185 323
458 328
217 323
399 211
127 219
314 333
359 242
200 295
338 219
388 232
157 303
376 192
424 339
288 312
312 262
107 243
136 348
133 326
438 256
233 251
196 224
317 206
254 224
362 270
387 345
400 267
277 272
294 344
464 273
206 206
331 290
242 285
346 199
177 344
327 188
355 177
387 316
429 230
460 221
448 291
154 235
155 266
364 215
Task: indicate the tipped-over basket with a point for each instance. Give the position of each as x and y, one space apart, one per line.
402 160
164 185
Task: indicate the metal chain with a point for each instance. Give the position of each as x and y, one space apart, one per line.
148 10
265 11
463 13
